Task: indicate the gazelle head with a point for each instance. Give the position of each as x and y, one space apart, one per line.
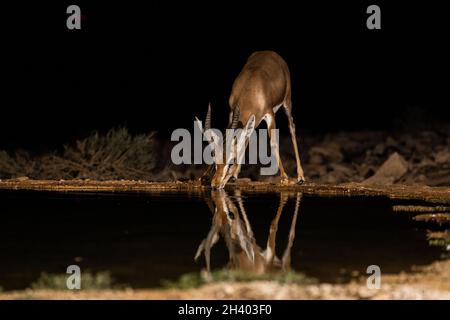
226 156
231 222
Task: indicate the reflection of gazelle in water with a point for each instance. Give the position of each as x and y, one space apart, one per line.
232 224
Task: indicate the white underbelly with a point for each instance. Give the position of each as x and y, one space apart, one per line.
275 109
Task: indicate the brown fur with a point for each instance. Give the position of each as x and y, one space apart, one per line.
261 87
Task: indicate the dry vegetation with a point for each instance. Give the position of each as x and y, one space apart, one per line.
411 158
116 155
430 282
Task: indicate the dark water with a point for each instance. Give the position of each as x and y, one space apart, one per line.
144 238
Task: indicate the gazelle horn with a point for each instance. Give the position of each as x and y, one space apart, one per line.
235 121
208 118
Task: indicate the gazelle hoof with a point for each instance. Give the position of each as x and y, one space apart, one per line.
301 181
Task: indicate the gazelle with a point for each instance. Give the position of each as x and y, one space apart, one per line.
260 89
231 222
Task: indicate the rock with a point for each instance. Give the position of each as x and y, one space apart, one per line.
442 157
341 170
365 171
348 145
316 170
330 151
391 142
425 162
339 174
440 218
316 159
390 171
421 178
379 149
330 178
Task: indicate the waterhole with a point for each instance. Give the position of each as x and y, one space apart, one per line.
142 239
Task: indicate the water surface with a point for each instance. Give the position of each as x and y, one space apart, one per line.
144 238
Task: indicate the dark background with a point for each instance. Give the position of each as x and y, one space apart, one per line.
154 66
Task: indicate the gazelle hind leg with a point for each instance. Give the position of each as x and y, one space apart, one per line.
300 173
286 259
271 240
274 146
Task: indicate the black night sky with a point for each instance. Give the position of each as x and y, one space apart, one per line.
155 66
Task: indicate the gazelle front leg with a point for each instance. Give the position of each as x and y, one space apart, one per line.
234 172
236 168
274 146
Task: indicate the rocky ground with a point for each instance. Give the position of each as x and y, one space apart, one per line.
409 157
430 282
421 158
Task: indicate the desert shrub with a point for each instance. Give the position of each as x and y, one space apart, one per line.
185 281
115 155
194 280
89 281
16 165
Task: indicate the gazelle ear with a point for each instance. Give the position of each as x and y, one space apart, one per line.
210 135
199 124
